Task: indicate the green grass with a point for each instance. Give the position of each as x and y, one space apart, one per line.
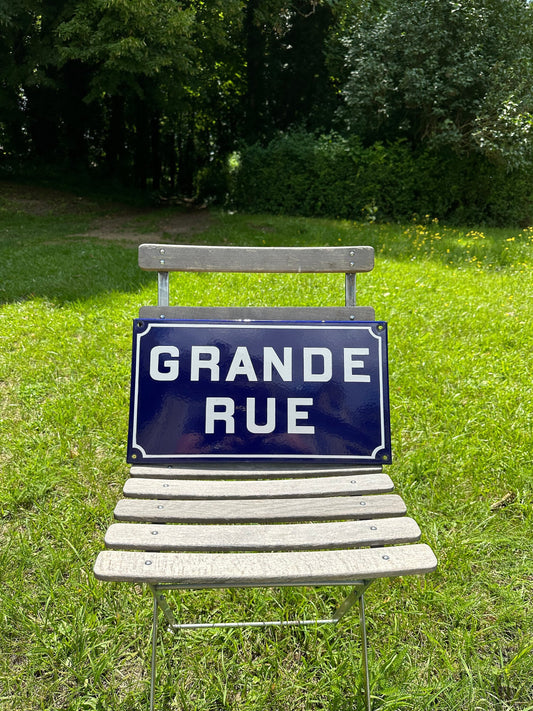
459 306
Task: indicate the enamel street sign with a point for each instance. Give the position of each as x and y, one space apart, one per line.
259 390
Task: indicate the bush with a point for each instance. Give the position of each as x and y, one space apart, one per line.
333 176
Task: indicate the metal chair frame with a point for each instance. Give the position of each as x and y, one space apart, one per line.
117 566
356 596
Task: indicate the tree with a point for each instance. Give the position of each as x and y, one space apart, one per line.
36 120
288 69
159 92
139 57
454 73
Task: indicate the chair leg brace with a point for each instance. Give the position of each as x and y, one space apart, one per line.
356 595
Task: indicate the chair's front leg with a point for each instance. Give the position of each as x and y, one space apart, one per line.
364 652
154 650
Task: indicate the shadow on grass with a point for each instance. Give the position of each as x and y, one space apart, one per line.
67 271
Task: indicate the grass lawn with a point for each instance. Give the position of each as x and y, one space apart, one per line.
459 303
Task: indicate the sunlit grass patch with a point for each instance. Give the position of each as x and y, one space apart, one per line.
459 307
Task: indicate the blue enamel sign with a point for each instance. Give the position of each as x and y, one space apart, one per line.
259 390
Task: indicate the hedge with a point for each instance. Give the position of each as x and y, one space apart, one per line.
332 176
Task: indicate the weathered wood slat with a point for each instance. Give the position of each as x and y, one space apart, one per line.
198 570
189 258
267 489
260 313
250 470
257 511
236 537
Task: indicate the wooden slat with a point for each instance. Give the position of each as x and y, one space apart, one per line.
250 470
257 511
294 536
188 258
260 313
267 489
199 570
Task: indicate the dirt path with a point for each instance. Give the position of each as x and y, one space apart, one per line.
112 221
125 228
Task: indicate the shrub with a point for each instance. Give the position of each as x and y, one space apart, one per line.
333 176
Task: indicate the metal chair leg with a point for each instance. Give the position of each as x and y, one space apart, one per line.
154 652
364 653
343 608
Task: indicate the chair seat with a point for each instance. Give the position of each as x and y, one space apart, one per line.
268 527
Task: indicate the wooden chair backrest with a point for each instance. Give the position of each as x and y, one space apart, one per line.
164 259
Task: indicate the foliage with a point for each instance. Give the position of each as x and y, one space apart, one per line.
121 42
157 94
302 174
444 72
459 311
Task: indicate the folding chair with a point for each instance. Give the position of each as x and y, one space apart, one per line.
215 498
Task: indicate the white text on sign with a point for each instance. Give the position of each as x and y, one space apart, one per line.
222 409
316 364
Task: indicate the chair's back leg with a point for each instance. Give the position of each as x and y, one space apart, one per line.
350 297
163 289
